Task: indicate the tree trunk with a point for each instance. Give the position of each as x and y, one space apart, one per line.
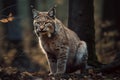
81 20
111 13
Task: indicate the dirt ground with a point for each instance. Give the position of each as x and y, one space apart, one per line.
10 73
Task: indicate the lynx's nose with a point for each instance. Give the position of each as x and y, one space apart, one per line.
41 28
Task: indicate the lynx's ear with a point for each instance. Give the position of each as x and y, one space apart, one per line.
52 12
35 13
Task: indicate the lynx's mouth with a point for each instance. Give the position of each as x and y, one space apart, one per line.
42 31
38 30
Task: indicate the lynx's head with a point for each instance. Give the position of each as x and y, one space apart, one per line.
44 22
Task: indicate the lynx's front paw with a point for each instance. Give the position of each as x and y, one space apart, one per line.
55 74
58 74
50 74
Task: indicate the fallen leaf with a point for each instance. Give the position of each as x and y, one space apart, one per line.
8 19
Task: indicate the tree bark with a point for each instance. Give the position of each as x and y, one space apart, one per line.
111 13
81 20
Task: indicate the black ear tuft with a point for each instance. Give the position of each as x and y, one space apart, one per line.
52 12
35 13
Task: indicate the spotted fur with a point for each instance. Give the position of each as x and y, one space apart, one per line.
66 53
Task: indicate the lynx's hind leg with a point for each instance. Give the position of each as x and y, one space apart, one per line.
82 56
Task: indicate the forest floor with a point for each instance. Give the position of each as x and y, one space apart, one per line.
10 73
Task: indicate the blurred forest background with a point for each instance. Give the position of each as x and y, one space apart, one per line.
19 45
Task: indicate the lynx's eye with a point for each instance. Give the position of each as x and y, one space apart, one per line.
48 24
37 23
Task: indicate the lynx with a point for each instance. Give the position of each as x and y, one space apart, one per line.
66 53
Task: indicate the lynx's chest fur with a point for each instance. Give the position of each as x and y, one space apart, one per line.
65 51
